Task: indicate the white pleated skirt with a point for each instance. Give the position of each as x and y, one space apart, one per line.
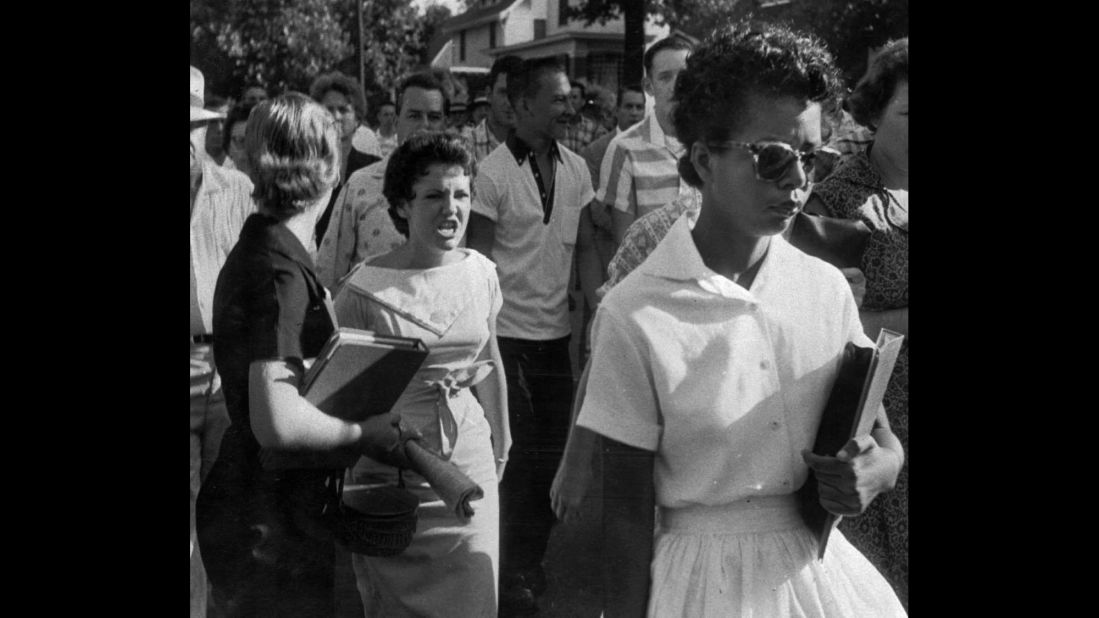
755 558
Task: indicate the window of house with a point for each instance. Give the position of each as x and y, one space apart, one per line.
462 46
539 29
562 12
492 35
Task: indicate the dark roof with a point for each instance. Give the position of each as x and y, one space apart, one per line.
458 21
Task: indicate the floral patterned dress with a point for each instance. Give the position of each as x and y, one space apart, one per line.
855 191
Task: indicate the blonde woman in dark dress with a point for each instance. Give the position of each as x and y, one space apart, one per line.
261 532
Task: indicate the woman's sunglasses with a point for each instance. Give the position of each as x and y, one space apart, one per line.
773 160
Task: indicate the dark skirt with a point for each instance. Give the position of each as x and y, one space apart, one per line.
264 538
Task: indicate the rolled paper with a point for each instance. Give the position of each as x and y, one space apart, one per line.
455 488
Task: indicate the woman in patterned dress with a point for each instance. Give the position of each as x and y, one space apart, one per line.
447 296
872 187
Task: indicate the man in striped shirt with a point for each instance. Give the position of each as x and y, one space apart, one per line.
639 172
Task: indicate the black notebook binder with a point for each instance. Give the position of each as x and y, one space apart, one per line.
357 374
850 412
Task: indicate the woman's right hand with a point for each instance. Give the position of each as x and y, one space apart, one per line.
383 438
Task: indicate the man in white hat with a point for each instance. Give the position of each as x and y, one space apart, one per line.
221 199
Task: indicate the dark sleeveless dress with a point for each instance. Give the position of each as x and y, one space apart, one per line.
263 542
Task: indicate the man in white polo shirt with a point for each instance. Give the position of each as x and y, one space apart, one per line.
528 197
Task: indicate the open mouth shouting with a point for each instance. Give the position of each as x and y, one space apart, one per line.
448 228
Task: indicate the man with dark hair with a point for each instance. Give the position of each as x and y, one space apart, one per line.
479 110
489 133
360 225
343 98
253 94
526 210
387 127
582 130
221 199
578 94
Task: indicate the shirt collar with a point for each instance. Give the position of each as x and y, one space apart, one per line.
490 137
378 167
658 137
265 232
677 258
520 150
212 180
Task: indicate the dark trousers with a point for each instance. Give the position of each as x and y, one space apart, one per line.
209 420
540 390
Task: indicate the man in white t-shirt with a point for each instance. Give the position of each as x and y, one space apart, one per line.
528 197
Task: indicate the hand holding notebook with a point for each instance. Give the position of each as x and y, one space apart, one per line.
844 430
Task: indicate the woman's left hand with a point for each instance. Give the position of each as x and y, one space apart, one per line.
850 481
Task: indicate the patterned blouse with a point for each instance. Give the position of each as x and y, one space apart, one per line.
360 226
855 191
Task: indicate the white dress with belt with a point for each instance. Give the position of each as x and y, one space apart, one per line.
451 567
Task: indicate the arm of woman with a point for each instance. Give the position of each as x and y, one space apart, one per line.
893 319
628 519
573 477
282 419
493 395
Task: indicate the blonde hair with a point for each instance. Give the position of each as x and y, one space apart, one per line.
293 149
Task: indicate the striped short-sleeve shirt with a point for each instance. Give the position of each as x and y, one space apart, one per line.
639 173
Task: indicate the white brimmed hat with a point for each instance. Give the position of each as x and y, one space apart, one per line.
198 88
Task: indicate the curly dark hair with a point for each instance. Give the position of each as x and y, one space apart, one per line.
411 160
293 151
343 84
739 60
872 93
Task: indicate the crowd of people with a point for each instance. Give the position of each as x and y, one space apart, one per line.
723 248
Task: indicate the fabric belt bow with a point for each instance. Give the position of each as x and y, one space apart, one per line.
449 386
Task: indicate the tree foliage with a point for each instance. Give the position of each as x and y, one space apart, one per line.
282 44
285 44
848 27
394 39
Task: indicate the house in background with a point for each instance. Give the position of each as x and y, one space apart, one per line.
537 29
